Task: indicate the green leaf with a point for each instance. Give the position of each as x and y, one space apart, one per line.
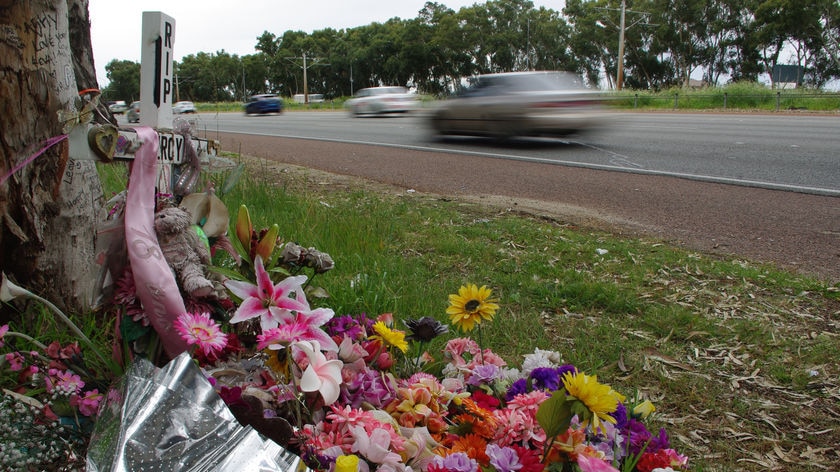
555 414
317 292
232 179
131 330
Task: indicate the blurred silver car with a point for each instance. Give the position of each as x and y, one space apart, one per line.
133 113
381 100
543 103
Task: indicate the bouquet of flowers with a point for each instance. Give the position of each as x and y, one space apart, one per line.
357 393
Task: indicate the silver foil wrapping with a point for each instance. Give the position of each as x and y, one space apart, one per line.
171 419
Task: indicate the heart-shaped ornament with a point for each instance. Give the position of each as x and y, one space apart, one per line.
103 140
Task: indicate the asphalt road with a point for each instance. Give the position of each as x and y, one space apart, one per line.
786 152
770 202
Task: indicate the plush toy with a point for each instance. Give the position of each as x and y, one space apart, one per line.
184 250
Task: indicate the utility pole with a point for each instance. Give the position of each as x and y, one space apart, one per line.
316 61
619 76
619 79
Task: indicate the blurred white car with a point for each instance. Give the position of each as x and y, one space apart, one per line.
183 107
118 107
543 103
382 100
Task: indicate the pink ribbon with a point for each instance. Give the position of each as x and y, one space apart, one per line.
154 279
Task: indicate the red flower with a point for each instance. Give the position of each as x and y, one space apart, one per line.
488 402
530 459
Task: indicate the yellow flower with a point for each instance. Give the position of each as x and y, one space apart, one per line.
600 399
347 463
390 336
644 409
471 306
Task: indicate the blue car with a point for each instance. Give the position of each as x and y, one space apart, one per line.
263 104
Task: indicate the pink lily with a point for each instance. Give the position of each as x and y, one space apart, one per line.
301 326
321 375
268 301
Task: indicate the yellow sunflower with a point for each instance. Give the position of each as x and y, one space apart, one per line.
390 337
470 306
599 399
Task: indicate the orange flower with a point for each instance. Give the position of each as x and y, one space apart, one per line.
483 421
474 446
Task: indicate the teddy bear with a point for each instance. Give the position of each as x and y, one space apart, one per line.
184 250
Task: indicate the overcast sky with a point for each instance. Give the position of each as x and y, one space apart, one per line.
233 26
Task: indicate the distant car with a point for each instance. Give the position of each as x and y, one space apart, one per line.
543 103
183 107
133 113
381 100
263 104
117 107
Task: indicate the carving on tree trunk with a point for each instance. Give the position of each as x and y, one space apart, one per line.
50 206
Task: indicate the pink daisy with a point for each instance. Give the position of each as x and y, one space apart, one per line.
201 330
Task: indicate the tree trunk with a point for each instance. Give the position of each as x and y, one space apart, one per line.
50 203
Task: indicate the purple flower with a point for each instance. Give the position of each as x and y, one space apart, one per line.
456 462
545 378
518 387
504 459
367 386
347 325
620 415
638 434
484 374
659 442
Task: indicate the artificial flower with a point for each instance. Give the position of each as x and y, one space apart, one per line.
599 399
529 458
389 337
455 462
425 329
15 360
9 291
473 446
661 459
593 464
470 306
88 404
266 300
321 375
201 330
299 326
267 242
644 409
375 446
347 463
243 228
503 459
63 382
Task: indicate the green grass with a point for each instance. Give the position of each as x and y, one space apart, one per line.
739 358
735 96
725 347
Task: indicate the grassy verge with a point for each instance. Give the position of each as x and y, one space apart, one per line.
740 359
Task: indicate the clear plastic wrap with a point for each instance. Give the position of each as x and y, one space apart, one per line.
171 419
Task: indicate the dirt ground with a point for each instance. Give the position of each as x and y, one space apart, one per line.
792 230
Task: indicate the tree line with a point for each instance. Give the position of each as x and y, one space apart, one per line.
665 43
